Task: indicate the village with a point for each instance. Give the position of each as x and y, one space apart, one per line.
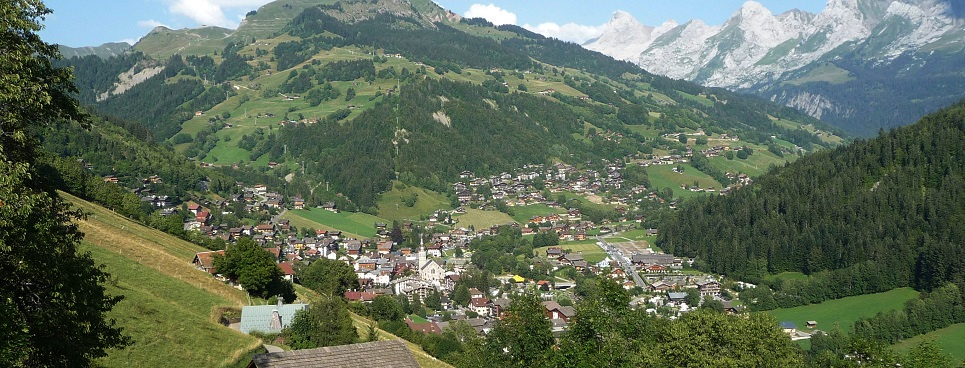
443 254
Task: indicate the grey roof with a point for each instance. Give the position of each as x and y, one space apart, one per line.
259 317
388 353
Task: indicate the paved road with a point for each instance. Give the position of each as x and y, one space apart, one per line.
275 219
624 261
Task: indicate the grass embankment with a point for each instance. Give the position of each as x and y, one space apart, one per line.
950 339
168 304
844 311
352 224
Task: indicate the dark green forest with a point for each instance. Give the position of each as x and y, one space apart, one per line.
881 94
872 216
489 129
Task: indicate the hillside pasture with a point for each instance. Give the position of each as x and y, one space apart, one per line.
480 219
352 224
164 295
392 204
663 176
844 311
522 214
950 339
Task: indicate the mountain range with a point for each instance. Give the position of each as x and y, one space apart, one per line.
414 93
858 64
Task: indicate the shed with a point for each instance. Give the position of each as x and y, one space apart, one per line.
268 318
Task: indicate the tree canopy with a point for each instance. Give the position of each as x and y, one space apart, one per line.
329 277
255 269
52 301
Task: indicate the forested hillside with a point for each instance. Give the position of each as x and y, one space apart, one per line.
872 216
360 93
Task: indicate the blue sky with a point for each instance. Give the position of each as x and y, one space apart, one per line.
85 23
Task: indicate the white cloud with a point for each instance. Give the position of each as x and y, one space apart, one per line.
212 12
150 23
492 13
572 32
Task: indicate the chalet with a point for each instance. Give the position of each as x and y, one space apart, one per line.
286 267
554 310
434 250
662 286
111 179
708 288
353 247
384 247
571 259
449 282
330 206
655 269
205 261
475 293
676 297
298 203
426 327
480 306
554 252
788 327
359 296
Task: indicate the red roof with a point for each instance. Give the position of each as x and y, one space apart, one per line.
479 302
355 296
206 260
428 327
286 268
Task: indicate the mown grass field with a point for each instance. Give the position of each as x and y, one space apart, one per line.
950 339
844 311
522 214
592 253
662 176
168 304
480 219
353 224
754 165
392 207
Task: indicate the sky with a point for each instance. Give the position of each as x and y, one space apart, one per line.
94 22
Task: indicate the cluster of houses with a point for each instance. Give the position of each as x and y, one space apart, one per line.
516 188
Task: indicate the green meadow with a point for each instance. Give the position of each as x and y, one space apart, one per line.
845 311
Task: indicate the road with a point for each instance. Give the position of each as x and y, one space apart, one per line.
617 255
277 217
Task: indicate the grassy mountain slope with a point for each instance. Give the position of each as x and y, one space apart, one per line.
105 51
168 304
168 307
404 91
